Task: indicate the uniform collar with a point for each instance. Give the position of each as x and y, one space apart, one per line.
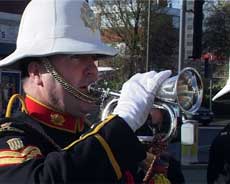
52 118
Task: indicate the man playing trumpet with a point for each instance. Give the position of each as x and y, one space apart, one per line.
56 52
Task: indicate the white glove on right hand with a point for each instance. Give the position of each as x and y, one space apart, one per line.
137 97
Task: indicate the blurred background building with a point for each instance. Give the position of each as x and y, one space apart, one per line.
10 15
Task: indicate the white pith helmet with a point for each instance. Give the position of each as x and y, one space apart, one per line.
51 27
223 91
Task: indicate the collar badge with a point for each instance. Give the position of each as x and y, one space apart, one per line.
57 119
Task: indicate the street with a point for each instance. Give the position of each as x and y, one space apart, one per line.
195 173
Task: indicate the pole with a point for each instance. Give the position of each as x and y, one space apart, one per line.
181 36
184 150
147 44
211 82
210 94
228 68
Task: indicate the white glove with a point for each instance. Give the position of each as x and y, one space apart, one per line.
137 97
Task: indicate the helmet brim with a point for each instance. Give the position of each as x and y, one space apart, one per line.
222 92
59 46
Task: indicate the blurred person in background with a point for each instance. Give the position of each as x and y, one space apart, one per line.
219 160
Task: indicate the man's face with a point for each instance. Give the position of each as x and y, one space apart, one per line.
157 116
79 71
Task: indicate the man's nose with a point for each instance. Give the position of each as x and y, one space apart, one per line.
92 70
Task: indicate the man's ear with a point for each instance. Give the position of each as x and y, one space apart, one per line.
35 71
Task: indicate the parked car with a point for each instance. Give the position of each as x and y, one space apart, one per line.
203 116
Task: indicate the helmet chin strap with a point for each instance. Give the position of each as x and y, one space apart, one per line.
66 85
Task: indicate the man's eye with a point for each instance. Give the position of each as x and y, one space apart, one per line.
74 56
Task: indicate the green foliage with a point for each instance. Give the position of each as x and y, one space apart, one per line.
118 76
128 20
163 43
216 40
217 85
216 37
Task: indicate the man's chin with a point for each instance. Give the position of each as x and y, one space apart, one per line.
92 107
88 109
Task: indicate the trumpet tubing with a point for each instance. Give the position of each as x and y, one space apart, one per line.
184 91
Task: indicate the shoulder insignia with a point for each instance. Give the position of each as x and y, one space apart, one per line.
224 133
15 143
13 157
6 127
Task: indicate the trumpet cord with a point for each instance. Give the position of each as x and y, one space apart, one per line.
149 172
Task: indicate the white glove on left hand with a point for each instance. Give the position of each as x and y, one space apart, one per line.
137 97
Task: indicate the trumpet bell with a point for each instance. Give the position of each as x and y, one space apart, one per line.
185 89
109 108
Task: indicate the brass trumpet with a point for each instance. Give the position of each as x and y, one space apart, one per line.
183 92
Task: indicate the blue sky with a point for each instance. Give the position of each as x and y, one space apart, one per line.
176 3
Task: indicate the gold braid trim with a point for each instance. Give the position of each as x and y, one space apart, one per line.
11 102
110 155
68 87
104 144
95 131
